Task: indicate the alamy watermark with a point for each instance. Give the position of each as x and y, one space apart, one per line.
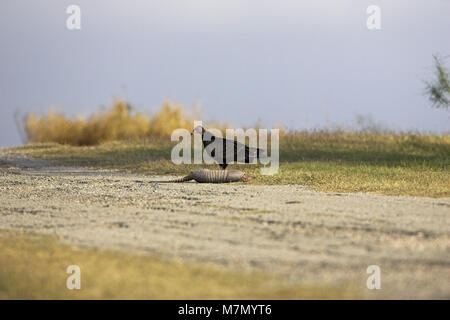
374 20
229 149
374 280
73 21
74 280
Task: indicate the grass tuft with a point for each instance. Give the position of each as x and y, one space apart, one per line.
119 122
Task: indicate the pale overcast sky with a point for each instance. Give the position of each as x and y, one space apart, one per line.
303 64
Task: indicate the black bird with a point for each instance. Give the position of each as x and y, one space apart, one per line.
235 150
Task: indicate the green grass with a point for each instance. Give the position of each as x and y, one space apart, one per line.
34 267
393 164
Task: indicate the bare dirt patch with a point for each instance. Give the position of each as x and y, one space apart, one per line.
306 236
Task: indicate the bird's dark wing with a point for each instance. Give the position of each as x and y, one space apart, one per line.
214 146
261 153
244 153
239 152
232 150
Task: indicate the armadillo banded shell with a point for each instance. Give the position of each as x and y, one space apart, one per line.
217 176
212 176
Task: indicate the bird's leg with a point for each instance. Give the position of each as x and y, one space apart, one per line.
223 165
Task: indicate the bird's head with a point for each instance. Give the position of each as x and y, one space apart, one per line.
198 129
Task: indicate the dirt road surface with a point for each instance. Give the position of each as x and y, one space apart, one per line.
308 237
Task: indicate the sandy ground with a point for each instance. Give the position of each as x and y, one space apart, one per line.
305 236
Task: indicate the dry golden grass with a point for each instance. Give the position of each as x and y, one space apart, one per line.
34 267
117 123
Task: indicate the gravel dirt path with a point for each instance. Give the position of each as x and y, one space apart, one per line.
305 236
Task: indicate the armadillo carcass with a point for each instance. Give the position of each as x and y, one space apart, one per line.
214 176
